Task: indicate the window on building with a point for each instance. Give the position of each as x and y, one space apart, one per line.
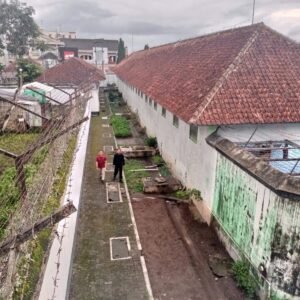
193 133
155 105
150 101
175 121
163 112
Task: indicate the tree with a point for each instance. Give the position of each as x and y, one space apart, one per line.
30 71
146 47
41 45
1 67
17 27
121 51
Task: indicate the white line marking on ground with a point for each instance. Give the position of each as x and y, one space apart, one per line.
128 247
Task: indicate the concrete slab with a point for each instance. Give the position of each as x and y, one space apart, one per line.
119 248
138 151
113 193
168 185
108 149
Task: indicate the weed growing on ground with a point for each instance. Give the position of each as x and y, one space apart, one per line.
157 159
121 126
164 171
245 280
187 194
134 179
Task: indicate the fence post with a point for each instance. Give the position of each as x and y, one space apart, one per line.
20 177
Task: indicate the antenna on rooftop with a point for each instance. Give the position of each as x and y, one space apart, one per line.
253 12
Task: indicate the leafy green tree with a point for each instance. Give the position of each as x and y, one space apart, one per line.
1 48
121 51
17 27
146 47
29 71
1 67
41 45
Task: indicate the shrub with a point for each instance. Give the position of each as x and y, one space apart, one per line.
120 126
245 280
151 141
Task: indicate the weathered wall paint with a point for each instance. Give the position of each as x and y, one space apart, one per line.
264 227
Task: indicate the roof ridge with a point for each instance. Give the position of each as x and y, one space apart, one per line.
257 25
219 83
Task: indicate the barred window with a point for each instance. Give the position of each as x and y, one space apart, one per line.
175 121
193 133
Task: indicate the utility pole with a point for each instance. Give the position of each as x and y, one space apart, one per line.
253 12
132 43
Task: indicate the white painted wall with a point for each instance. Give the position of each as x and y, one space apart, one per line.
66 227
95 105
193 163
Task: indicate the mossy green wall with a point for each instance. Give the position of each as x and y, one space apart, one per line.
264 227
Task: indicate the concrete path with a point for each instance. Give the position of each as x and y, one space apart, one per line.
94 275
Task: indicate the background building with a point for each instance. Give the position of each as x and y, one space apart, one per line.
96 51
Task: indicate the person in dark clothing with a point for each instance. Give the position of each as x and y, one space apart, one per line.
118 162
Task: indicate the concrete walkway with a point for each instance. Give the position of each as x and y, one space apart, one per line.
94 274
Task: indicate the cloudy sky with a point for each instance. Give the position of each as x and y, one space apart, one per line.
155 22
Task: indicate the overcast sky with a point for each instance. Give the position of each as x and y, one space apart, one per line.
155 22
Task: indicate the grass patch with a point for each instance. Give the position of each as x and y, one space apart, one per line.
188 194
163 168
157 159
16 143
244 279
134 179
121 126
9 192
29 267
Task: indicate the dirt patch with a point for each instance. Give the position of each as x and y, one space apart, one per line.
175 272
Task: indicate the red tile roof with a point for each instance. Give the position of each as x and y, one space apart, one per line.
244 75
73 71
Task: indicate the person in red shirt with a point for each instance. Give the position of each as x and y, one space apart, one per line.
101 164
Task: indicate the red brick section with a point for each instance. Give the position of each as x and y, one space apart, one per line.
73 71
244 75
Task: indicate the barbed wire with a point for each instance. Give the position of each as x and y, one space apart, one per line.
29 205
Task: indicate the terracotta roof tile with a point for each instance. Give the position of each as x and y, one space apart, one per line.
73 71
244 75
